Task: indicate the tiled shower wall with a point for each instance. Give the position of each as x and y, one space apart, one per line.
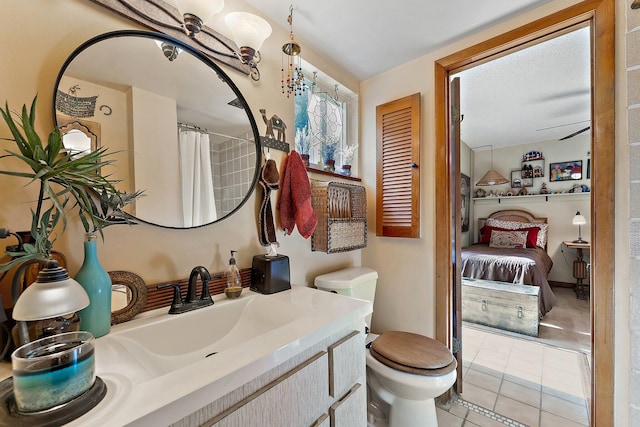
233 162
633 128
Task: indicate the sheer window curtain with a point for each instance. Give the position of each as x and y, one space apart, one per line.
198 201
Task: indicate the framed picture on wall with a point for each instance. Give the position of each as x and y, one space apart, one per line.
465 193
565 171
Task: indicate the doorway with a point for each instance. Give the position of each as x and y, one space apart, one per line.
600 17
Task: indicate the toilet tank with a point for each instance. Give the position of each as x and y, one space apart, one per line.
357 282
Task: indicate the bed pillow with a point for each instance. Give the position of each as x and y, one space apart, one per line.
515 225
532 234
514 239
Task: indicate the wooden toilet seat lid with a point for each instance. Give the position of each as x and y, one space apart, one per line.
413 353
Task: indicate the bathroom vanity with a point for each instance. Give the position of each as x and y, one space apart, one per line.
291 358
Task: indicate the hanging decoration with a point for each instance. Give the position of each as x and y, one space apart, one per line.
292 77
75 106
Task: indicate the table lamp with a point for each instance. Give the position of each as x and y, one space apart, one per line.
579 220
53 295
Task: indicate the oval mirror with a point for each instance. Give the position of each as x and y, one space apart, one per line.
179 128
128 296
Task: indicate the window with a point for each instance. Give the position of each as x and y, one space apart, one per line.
320 122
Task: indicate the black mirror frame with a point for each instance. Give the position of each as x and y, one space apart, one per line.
208 61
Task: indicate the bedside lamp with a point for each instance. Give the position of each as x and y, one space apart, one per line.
579 220
53 295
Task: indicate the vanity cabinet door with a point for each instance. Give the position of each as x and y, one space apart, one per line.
298 398
351 410
347 364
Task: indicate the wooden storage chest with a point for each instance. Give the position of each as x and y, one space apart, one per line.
501 305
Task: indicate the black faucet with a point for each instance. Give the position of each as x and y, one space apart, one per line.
193 279
192 302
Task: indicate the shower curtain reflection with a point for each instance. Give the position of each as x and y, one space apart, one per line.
198 201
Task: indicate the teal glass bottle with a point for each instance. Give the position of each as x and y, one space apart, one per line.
96 318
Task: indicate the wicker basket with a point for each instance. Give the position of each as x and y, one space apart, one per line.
342 217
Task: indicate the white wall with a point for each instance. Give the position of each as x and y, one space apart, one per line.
155 119
508 159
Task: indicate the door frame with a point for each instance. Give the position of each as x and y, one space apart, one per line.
599 14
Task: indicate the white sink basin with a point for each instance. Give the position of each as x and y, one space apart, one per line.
168 342
160 367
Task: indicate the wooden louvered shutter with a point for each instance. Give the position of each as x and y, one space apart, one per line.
398 181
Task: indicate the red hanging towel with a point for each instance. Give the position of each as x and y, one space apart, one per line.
294 202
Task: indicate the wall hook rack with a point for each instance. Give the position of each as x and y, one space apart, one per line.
267 142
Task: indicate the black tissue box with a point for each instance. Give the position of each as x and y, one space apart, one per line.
270 274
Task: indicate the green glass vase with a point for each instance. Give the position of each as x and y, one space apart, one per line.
96 318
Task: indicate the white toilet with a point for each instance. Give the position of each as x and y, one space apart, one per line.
405 371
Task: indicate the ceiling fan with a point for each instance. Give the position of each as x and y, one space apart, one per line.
575 133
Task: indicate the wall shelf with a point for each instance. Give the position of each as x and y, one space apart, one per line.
530 196
313 169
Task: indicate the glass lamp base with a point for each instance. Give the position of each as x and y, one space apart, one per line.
24 332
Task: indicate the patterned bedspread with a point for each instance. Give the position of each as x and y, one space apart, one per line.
521 266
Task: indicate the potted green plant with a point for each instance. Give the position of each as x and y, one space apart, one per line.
63 176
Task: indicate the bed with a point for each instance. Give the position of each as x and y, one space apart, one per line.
503 256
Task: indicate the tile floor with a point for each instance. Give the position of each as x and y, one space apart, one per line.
514 381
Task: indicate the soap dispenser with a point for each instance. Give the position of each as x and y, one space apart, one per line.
234 282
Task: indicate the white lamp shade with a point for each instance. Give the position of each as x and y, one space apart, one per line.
203 9
53 294
248 30
579 219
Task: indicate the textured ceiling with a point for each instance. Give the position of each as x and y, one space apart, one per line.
368 37
537 94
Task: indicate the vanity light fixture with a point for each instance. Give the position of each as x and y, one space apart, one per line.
249 32
186 22
170 51
579 220
292 81
492 177
196 12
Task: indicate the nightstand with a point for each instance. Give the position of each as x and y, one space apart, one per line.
580 267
